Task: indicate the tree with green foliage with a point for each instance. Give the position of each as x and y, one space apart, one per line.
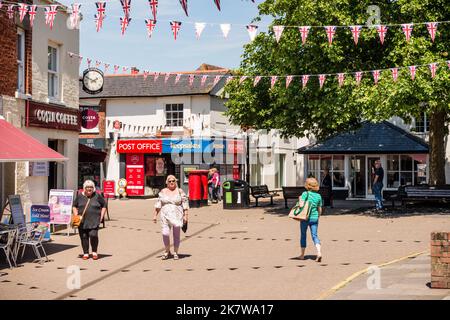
321 112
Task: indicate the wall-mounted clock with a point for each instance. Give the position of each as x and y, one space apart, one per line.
93 81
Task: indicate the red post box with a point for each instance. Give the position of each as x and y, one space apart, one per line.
198 188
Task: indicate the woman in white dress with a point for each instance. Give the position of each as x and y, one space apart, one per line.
173 205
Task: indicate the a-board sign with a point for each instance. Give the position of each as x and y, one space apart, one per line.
60 203
40 217
109 188
15 205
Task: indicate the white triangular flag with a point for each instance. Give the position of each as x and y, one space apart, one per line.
199 27
226 27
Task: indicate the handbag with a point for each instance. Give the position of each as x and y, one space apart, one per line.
185 226
76 219
300 213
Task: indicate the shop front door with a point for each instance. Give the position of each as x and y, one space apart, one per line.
358 176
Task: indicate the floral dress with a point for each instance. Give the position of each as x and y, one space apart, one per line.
172 207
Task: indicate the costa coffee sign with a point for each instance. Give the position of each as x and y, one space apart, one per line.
89 119
46 116
139 146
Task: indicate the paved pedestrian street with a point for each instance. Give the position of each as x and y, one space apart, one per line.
235 254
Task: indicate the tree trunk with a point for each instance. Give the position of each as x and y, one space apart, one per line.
437 147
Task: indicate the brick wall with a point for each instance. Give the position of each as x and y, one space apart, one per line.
440 260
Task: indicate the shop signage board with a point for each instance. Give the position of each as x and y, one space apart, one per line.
40 216
38 169
89 119
15 205
135 174
109 189
139 146
60 203
94 143
52 117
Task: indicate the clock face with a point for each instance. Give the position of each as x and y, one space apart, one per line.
93 81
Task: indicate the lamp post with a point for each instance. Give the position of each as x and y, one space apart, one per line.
246 129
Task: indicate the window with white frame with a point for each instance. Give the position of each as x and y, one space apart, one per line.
20 61
334 163
174 115
53 72
406 170
422 123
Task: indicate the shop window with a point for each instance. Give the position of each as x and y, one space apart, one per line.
338 171
174 115
20 61
53 72
314 166
334 163
406 170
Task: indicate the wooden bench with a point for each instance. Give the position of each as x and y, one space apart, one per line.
420 193
262 192
295 192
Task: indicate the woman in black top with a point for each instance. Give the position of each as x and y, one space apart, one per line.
92 218
327 183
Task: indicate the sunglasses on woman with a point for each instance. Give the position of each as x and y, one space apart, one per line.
170 181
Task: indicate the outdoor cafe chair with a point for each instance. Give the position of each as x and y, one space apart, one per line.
33 238
8 246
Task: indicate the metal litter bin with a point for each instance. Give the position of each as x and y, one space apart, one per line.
235 194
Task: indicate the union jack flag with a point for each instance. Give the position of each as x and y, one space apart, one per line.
106 67
150 24
216 80
322 79
184 5
32 13
433 69
126 6
98 22
124 69
331 31
341 78
256 81
356 31
358 77
176 26
177 78
97 63
278 30
229 79
75 14
166 78
88 62
305 79
155 76
101 8
80 59
217 2
407 30
394 74
50 15
273 80
154 7
376 75
23 9
304 32
191 79
124 22
252 31
145 74
242 79
382 30
432 29
116 68
10 11
288 81
204 78
412 70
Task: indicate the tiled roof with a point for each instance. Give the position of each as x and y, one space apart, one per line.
370 138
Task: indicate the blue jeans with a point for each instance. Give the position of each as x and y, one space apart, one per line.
304 228
377 187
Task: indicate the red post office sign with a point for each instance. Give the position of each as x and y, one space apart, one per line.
135 174
109 188
139 146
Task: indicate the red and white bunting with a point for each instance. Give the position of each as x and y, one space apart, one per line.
341 78
432 29
252 31
331 31
322 79
273 80
216 80
242 79
155 76
80 59
229 79
97 63
358 77
124 22
154 7
89 62
356 31
10 11
184 5
167 76
98 22
150 24
288 81
448 64
204 78
124 69
217 2
278 30
177 78
100 16
126 7
191 79
175 25
407 30
146 73
394 74
256 81
412 70
199 27
305 79
376 75
382 30
116 68
75 15
32 13
106 66
23 9
50 15
433 69
225 27
304 31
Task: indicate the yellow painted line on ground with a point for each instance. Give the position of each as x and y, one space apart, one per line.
342 284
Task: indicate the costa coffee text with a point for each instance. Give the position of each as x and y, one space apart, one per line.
56 117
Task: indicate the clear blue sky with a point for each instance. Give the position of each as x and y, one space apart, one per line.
162 52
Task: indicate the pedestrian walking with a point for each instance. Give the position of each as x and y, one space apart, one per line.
327 184
91 206
315 210
172 205
378 185
210 185
215 182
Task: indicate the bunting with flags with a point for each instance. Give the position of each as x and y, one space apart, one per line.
341 78
216 80
10 11
376 75
322 79
356 31
203 81
252 31
75 15
305 79
88 62
433 69
175 25
225 27
191 79
177 78
23 9
382 30
331 31
184 5
278 30
358 77
124 22
217 2
116 68
101 10
394 74
155 76
304 31
154 7
256 81
412 70
166 78
150 24
273 80
32 13
126 7
242 79
407 30
288 81
199 27
229 79
432 29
